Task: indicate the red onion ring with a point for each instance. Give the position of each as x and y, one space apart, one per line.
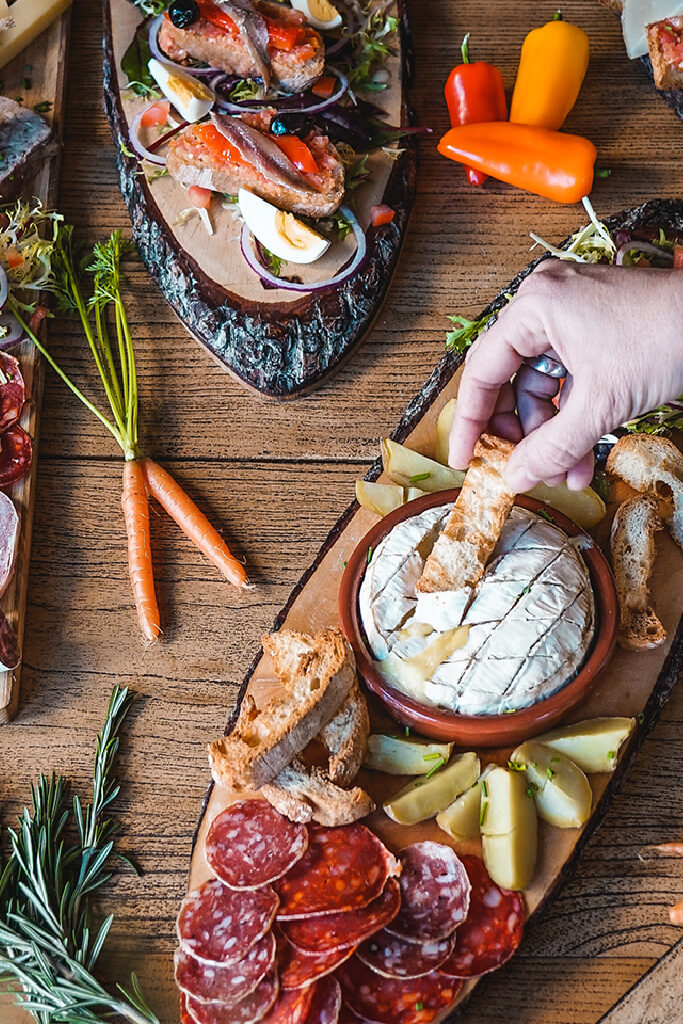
255 107
153 40
635 246
4 287
142 151
294 286
15 331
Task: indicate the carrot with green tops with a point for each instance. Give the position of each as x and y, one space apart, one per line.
116 366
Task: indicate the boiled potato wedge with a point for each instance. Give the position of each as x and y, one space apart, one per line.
379 498
585 507
443 431
423 798
398 755
406 467
460 820
593 745
509 829
561 791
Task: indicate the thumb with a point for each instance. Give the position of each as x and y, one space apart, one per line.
552 449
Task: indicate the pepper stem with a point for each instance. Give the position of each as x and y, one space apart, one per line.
557 16
465 49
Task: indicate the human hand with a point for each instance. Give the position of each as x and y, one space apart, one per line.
619 333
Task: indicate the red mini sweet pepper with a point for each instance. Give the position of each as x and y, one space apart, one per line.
475 93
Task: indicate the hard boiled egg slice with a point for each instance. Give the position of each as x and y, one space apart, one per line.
192 99
320 14
280 232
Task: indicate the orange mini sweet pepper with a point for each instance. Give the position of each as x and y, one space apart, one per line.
552 67
556 165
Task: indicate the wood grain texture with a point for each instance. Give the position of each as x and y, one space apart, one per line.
275 478
46 60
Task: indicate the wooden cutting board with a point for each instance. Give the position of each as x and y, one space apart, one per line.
632 684
276 342
46 59
657 998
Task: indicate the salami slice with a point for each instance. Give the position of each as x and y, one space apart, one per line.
251 844
392 957
292 1007
12 391
435 893
216 924
16 455
249 1010
298 969
184 1012
493 929
344 868
326 1004
221 983
393 1000
340 931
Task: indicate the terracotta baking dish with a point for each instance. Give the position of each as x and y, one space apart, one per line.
480 730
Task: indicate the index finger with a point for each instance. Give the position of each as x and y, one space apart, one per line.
489 365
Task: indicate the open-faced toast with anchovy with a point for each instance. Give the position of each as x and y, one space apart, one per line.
268 162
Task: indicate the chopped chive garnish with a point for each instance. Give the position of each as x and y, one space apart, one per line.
482 814
419 476
369 554
484 788
546 515
510 711
533 788
550 773
641 718
407 730
43 106
431 757
555 760
439 764
344 564
418 1007
516 766
611 754
603 172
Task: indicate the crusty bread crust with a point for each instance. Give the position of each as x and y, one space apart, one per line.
317 674
346 738
307 794
462 550
666 74
632 545
654 465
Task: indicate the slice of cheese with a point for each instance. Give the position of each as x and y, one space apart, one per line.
31 17
636 15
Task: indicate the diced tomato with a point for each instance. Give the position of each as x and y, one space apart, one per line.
283 36
39 314
156 114
324 86
670 39
381 215
207 138
14 259
298 152
200 197
216 16
678 257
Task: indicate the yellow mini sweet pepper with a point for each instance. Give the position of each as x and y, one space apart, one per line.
552 67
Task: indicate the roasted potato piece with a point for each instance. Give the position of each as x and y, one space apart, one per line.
443 431
593 745
423 798
406 467
585 507
460 820
398 755
561 791
509 829
379 498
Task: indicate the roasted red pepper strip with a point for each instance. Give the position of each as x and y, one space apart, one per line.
298 152
556 165
475 92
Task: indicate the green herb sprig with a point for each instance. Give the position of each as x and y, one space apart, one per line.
49 944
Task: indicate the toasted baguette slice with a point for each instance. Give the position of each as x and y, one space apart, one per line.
654 464
317 674
462 550
663 37
307 794
633 554
346 738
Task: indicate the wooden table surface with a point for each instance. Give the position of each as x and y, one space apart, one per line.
275 478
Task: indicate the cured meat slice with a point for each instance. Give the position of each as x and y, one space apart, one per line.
249 1010
221 983
330 932
12 391
292 1007
251 844
298 969
393 1000
326 1003
216 924
343 868
10 656
184 1012
9 537
435 893
16 455
392 957
493 929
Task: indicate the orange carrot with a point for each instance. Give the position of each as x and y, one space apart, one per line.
192 522
676 914
670 849
136 513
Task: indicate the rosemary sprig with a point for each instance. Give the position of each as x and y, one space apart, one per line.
48 943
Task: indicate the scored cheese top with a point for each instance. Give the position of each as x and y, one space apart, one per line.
530 620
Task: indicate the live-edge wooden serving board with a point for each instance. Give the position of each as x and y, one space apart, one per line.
278 343
43 65
632 684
